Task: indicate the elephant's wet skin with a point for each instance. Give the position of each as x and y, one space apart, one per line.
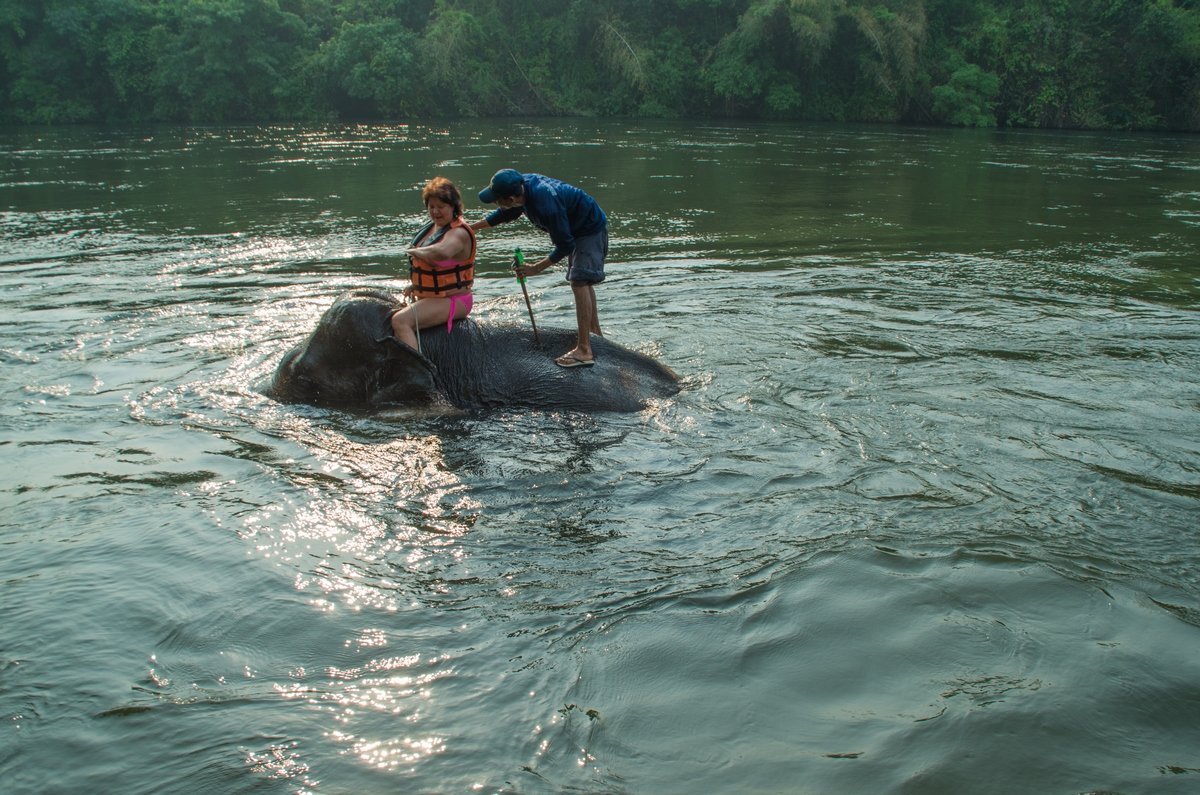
352 360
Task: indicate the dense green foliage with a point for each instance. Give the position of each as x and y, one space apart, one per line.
1123 64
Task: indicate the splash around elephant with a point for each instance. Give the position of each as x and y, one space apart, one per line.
351 359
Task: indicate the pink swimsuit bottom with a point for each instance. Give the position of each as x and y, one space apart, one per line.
466 301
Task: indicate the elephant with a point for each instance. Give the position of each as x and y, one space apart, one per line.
351 359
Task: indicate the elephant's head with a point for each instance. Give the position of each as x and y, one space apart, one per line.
351 358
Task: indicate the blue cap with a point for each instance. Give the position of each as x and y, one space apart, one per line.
505 182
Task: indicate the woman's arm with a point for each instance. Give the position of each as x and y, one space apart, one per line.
455 245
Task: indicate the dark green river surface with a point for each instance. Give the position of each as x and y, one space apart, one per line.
923 519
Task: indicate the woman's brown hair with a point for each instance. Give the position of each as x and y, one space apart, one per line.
444 190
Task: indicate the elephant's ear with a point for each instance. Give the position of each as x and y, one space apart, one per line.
406 376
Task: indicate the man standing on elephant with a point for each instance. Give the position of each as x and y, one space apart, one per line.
578 228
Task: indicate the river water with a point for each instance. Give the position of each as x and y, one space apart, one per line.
922 520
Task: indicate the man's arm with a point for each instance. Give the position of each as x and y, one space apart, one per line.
497 217
559 227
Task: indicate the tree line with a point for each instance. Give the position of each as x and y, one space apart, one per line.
1064 64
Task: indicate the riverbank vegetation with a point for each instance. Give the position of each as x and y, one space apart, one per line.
1070 64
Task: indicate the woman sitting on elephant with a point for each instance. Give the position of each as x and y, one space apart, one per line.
441 266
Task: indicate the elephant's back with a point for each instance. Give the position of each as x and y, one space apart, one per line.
483 365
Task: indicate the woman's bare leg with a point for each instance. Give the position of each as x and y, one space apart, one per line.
428 312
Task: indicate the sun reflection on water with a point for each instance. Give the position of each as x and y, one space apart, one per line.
280 762
373 524
393 753
398 686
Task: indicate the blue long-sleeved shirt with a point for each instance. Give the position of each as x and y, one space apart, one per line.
564 211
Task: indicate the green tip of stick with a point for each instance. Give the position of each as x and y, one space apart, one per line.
520 261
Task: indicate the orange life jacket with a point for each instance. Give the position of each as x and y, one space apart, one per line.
435 279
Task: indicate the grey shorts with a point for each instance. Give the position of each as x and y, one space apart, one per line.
586 263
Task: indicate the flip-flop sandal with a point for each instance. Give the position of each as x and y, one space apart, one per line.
573 361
